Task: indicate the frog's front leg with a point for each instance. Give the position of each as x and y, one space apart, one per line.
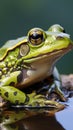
56 85
8 90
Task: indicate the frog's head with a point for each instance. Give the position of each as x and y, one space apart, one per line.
44 48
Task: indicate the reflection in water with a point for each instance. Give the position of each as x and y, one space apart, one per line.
42 122
62 120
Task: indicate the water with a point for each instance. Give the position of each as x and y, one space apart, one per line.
62 120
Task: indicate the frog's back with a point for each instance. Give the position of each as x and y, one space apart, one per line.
10 45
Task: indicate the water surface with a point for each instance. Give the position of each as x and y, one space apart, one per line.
62 120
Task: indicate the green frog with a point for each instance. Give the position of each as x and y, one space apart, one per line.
31 59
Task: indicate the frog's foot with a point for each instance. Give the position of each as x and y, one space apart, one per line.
55 87
40 101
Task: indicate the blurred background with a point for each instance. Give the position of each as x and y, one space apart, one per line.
18 16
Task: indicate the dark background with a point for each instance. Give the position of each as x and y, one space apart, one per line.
18 16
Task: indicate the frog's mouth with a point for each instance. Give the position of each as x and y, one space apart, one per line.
54 55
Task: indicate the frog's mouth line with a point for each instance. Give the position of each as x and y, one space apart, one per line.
51 55
61 52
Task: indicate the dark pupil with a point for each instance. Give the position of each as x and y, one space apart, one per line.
36 36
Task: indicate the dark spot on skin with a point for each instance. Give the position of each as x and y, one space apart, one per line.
26 100
20 77
0 93
16 102
15 119
12 84
13 125
6 94
7 117
15 93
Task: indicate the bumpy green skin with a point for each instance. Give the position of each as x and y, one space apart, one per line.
18 55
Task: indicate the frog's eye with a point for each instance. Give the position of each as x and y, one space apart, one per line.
24 49
56 28
36 36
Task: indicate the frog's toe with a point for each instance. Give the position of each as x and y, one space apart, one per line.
58 91
54 104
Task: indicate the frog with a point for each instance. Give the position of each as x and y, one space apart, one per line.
31 59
